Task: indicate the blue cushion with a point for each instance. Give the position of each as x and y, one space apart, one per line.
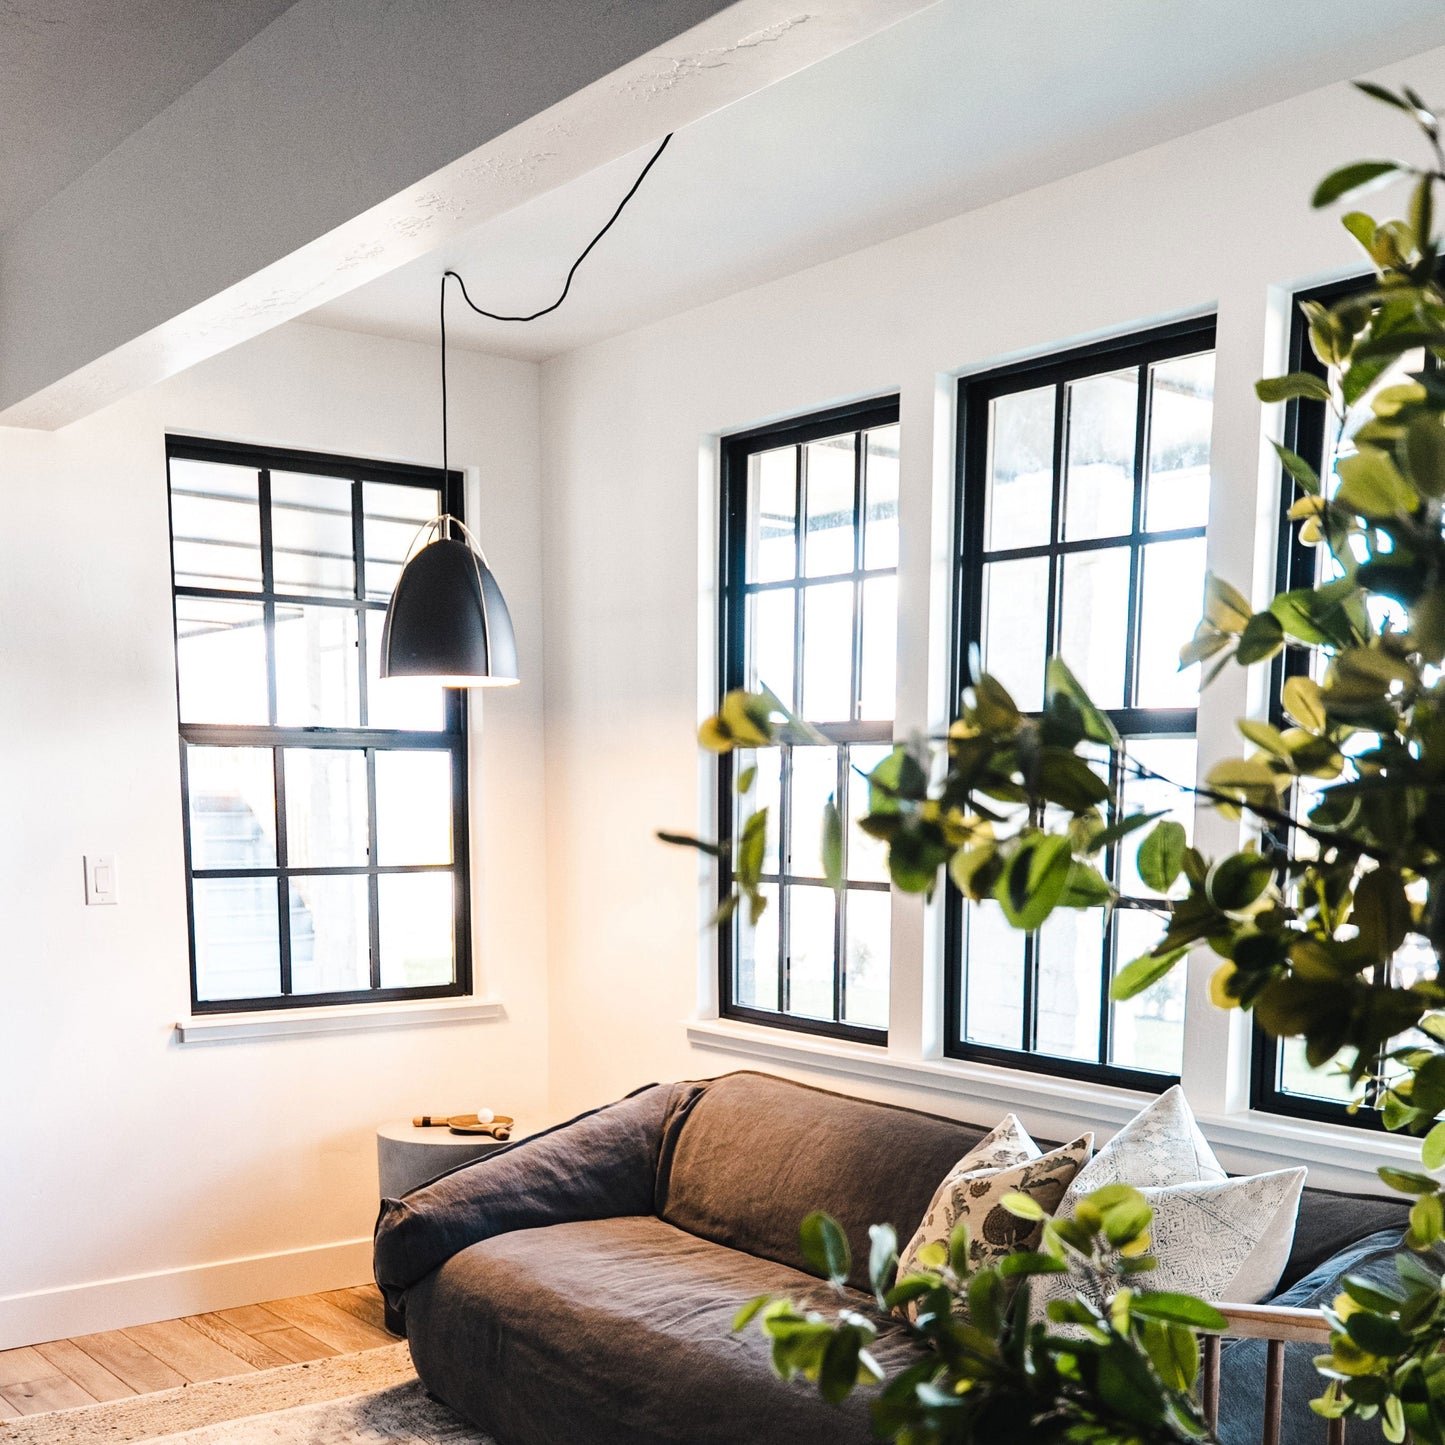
1242 1362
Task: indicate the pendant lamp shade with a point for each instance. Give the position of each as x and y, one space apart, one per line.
447 620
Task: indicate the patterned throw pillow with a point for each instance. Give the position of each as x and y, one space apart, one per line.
1004 1161
1160 1145
1220 1238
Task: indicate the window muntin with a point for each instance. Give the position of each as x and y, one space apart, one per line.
1282 1082
1084 494
325 810
810 559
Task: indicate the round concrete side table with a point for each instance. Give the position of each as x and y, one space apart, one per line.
407 1156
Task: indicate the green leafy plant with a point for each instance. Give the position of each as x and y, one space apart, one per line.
1115 1365
1345 867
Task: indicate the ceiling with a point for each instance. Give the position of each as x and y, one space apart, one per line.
78 76
954 108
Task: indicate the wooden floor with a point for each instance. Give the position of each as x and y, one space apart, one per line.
135 1361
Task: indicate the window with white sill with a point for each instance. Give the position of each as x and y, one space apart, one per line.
324 810
810 611
1084 487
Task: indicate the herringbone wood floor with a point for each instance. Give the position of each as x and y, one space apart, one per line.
135 1361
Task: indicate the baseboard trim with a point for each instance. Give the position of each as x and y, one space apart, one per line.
137 1299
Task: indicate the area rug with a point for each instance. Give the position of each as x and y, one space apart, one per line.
371 1398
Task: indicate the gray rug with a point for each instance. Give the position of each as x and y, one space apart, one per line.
372 1398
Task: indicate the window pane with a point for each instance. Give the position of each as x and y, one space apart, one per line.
1395 374
867 857
215 525
411 703
312 548
1171 606
1148 1029
221 661
1070 983
755 973
1094 621
811 951
326 809
829 467
1173 760
391 517
770 643
994 998
1181 415
870 917
330 934
1015 629
1099 485
815 780
238 950
232 794
880 530
1330 1084
1021 469
316 682
413 807
764 793
772 515
417 912
877 687
828 652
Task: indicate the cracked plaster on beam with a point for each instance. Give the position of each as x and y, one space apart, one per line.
674 71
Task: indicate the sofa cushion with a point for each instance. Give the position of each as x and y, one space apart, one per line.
619 1332
1242 1362
1330 1221
757 1154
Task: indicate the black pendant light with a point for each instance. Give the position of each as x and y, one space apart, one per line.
447 619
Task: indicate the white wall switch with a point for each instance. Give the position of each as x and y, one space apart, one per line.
101 884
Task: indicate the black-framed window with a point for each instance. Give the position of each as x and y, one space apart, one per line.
325 811
1282 1082
1084 483
810 610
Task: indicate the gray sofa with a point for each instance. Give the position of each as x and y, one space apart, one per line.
579 1286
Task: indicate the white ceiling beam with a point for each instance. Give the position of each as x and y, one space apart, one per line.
347 138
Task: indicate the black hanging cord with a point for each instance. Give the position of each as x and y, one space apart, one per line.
546 310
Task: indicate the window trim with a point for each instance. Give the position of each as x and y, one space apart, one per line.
974 393
737 448
452 738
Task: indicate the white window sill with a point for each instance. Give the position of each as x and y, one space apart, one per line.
1339 1156
343 1019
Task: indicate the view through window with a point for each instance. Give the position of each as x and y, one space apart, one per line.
1283 1081
811 612
325 810
1085 483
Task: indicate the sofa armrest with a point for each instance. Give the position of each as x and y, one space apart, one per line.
601 1165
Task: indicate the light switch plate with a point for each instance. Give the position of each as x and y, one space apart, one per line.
101 883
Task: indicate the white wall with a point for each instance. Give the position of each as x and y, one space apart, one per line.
122 1153
1217 219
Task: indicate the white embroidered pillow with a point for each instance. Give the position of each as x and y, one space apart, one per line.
1223 1239
1005 1161
1161 1145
